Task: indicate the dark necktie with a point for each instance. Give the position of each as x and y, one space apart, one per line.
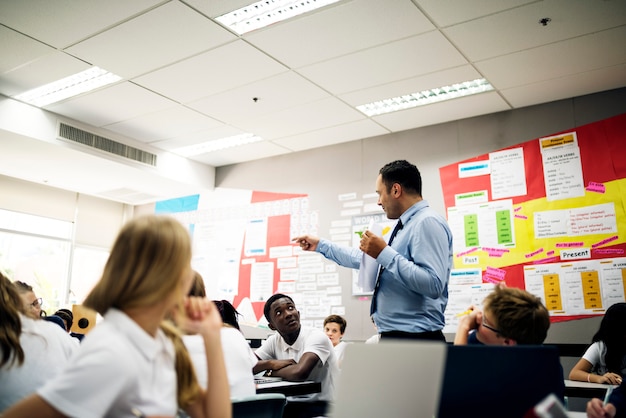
380 270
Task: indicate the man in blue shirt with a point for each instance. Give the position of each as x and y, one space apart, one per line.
411 292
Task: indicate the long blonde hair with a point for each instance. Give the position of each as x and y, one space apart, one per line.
187 386
148 258
146 262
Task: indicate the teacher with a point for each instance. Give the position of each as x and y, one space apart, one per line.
411 291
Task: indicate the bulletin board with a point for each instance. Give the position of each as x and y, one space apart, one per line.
243 249
546 215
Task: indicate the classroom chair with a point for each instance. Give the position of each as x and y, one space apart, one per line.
261 405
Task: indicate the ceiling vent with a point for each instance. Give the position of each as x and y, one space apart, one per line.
105 144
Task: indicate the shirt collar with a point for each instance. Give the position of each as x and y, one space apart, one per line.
410 212
298 345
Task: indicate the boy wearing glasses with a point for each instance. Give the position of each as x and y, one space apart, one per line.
510 316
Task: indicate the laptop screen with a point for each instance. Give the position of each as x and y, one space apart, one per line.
499 381
390 379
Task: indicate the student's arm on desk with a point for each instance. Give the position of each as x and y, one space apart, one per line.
582 372
272 365
296 372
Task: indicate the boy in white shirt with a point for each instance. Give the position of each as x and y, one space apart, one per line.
297 354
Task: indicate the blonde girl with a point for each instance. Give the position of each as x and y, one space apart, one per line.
133 363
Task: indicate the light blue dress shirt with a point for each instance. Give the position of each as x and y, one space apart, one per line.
413 290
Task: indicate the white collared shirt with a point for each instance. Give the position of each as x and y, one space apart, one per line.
238 357
118 367
310 340
47 351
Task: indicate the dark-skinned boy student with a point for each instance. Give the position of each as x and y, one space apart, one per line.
297 354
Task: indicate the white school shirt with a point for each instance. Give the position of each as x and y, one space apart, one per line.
340 349
47 350
238 357
595 355
118 367
310 340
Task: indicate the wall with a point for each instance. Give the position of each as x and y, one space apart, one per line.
349 167
325 173
97 221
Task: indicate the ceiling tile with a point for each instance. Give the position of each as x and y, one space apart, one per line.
61 23
479 104
110 105
340 29
333 135
519 29
255 151
556 60
273 94
167 123
42 70
16 49
395 61
298 119
215 8
215 71
152 40
450 12
578 84
412 85
198 137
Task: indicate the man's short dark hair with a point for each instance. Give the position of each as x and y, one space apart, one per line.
272 299
404 173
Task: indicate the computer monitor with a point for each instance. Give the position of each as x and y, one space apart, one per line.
499 381
390 379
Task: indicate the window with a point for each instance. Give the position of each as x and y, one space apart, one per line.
37 250
87 266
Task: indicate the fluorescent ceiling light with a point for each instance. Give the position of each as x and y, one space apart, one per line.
67 87
263 13
217 144
466 88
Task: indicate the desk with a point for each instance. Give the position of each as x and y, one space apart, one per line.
576 389
289 388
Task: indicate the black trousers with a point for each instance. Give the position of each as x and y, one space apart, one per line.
401 335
